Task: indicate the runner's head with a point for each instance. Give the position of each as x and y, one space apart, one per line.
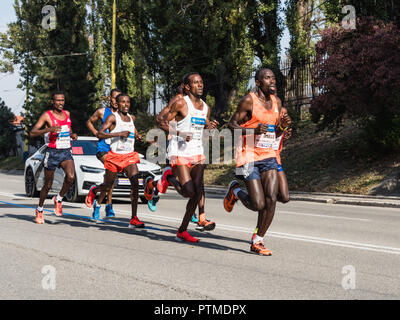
265 81
58 100
112 98
181 87
194 84
124 103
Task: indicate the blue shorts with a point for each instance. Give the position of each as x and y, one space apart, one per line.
253 170
54 157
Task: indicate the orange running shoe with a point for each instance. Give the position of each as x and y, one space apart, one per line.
230 198
185 236
206 225
148 188
163 183
39 217
259 248
57 207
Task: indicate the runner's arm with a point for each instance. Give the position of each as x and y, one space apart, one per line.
37 128
243 113
110 124
211 124
96 116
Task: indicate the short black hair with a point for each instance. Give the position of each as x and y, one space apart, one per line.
114 90
122 95
55 93
186 78
259 72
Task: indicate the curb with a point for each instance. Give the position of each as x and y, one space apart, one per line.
329 198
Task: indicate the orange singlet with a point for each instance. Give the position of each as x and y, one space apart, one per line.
262 148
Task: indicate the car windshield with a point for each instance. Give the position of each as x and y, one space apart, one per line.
84 147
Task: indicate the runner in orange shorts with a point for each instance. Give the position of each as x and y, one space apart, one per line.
122 156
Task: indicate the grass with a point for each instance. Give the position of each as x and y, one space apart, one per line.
323 162
12 163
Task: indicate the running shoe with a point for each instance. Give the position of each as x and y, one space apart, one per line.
194 218
152 204
39 217
135 223
57 207
163 184
110 211
96 211
259 248
185 236
230 198
207 225
90 197
148 188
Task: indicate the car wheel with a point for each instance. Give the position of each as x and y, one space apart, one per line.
30 184
72 194
143 199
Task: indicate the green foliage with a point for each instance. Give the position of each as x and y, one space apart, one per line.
7 136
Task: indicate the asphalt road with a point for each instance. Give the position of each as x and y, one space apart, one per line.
320 251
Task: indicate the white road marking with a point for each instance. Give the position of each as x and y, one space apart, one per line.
325 241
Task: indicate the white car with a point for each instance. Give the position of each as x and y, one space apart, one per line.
88 171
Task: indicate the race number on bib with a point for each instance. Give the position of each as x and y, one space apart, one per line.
63 138
126 144
266 140
197 126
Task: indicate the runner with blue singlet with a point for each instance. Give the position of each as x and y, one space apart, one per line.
103 148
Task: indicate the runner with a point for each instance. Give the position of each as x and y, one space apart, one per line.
257 117
57 131
122 157
191 115
102 149
283 193
153 197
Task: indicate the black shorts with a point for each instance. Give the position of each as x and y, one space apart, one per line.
54 157
100 154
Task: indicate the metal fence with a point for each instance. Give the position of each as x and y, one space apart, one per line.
299 88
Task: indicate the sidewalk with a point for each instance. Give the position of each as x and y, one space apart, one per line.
331 198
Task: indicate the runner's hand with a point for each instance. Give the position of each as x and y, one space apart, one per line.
124 134
286 121
139 137
262 128
74 136
213 124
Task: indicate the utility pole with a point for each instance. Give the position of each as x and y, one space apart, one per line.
114 28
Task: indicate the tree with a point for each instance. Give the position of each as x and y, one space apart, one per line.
53 59
7 135
358 72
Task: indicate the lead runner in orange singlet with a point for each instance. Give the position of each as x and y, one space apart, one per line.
258 119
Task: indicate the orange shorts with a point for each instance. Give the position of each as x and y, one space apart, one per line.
116 162
186 161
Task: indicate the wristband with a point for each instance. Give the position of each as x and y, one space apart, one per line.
283 129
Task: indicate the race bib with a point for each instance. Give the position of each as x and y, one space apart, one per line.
126 144
197 126
266 140
63 138
277 143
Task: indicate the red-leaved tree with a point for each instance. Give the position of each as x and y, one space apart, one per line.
358 73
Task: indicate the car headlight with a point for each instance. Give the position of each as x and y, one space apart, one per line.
91 169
